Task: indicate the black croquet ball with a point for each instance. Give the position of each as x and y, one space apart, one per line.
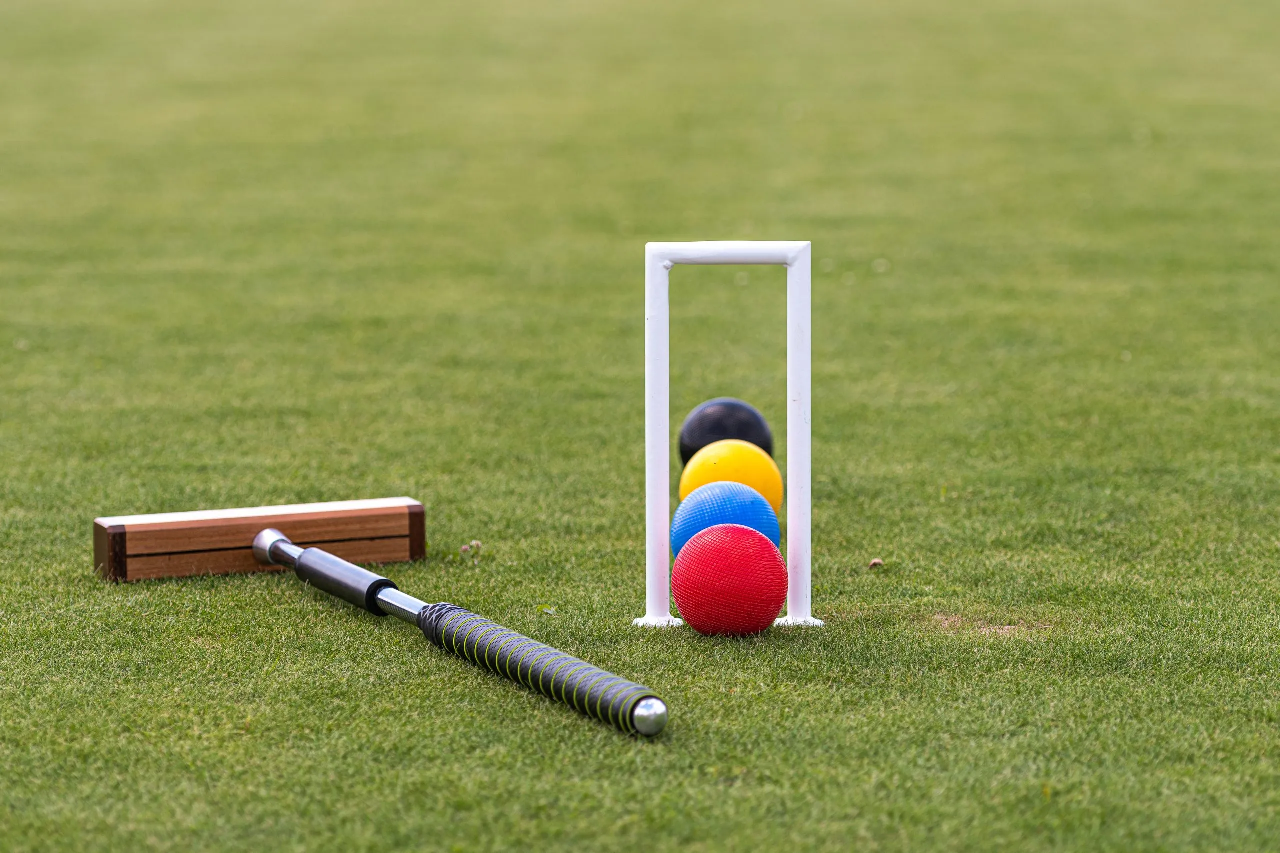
721 418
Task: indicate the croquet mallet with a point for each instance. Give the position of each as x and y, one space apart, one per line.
223 541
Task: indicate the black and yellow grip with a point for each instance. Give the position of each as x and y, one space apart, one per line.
539 667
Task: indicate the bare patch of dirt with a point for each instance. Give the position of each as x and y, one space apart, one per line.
953 623
948 622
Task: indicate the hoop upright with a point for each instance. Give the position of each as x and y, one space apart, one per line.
659 259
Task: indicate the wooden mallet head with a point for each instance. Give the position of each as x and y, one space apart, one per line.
215 542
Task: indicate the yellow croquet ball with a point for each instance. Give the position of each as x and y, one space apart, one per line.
738 462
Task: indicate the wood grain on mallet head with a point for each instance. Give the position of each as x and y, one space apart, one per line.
211 542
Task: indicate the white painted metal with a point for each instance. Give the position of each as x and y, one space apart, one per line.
799 442
659 258
657 452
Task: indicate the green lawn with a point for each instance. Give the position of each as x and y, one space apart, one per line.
258 253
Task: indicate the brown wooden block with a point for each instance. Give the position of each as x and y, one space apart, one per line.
140 547
241 560
213 534
109 551
417 533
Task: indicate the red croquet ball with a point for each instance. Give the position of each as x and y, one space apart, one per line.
729 579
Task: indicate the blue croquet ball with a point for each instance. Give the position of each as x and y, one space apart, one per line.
723 502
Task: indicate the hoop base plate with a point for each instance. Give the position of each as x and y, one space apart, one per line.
657 621
798 620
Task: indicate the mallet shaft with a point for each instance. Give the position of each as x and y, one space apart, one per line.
400 604
589 689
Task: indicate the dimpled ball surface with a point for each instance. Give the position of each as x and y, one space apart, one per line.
735 461
721 418
729 579
723 503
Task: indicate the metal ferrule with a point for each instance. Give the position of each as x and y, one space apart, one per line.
273 548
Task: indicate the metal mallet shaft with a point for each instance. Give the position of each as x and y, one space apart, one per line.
593 691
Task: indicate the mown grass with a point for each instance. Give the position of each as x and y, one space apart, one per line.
272 252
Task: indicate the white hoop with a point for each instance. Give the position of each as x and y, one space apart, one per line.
659 258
